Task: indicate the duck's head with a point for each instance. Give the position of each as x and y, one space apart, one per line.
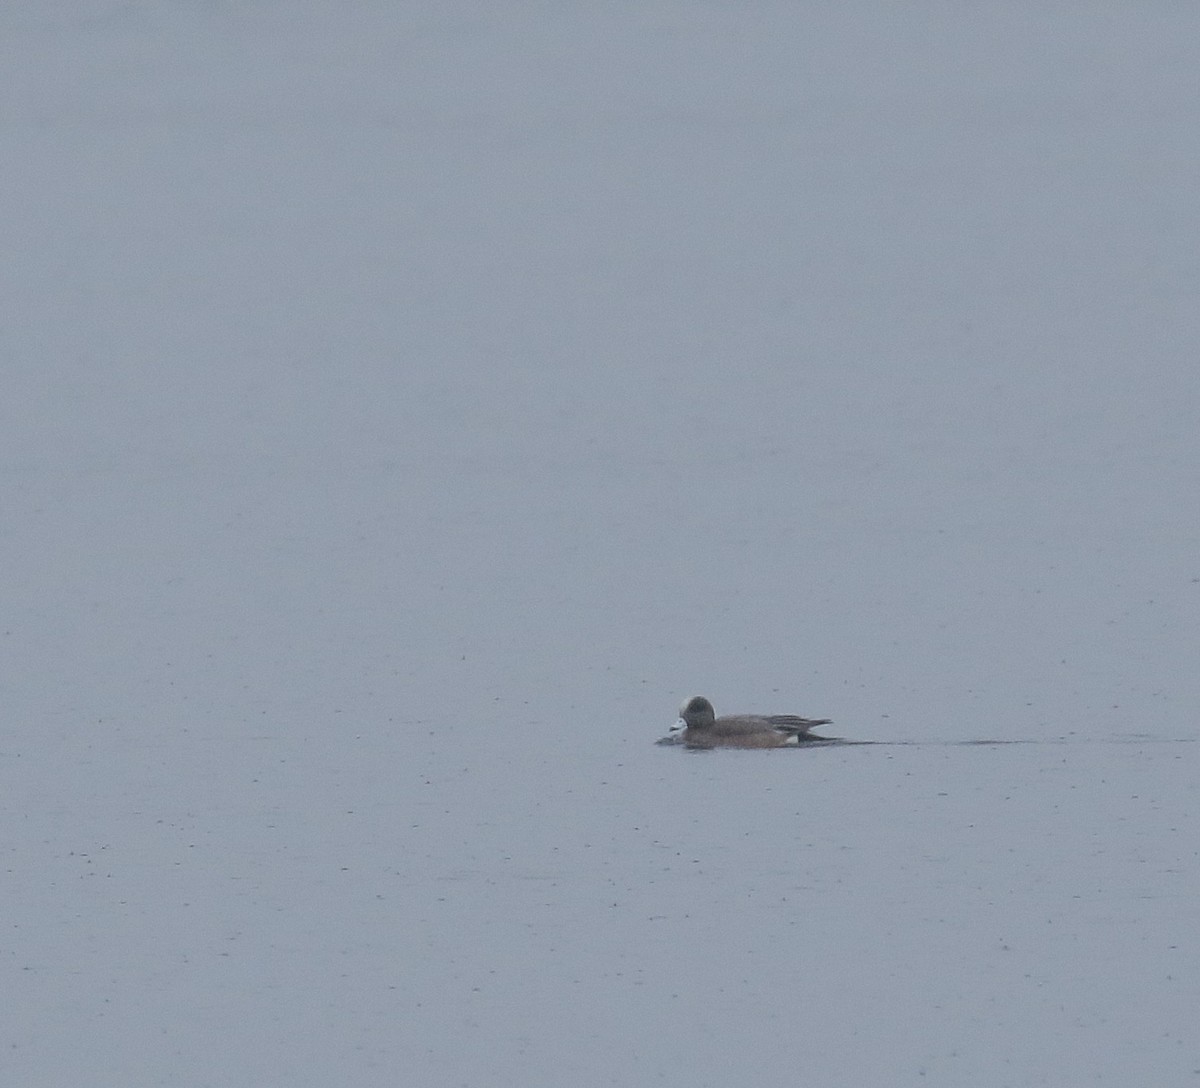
697 713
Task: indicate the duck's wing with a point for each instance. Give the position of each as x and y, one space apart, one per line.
741 725
790 723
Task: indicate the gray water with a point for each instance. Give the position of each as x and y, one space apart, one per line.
407 406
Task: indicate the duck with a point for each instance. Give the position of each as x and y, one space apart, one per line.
701 728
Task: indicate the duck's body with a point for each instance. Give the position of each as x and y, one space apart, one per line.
703 729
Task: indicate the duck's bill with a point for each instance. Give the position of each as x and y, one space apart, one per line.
674 734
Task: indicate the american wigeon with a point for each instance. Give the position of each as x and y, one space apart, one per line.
703 729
